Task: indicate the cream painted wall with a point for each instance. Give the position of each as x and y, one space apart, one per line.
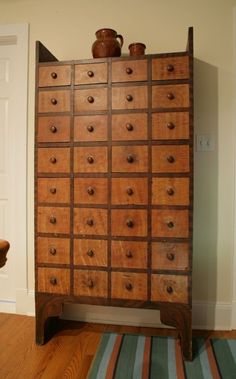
67 29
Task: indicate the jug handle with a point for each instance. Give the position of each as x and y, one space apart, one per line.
119 36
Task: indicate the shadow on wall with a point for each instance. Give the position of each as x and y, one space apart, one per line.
205 195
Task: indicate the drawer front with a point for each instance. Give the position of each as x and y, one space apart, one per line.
53 250
54 280
129 97
130 126
170 223
129 286
53 160
91 73
90 221
170 191
92 99
90 159
53 220
129 254
90 252
90 128
53 190
129 222
170 158
90 190
128 71
170 125
170 68
170 96
90 283
129 159
53 129
51 76
169 288
170 256
129 191
54 101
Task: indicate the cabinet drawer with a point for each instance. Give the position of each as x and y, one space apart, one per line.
128 71
53 160
53 250
170 125
129 254
53 129
129 159
129 222
53 190
130 126
90 283
170 96
129 191
129 286
170 68
170 191
90 128
134 97
54 280
90 190
51 76
90 252
170 256
170 158
169 288
90 221
91 73
54 101
92 99
170 223
90 159
53 220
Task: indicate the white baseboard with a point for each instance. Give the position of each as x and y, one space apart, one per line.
206 315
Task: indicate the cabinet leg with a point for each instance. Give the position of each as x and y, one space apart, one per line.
181 318
47 309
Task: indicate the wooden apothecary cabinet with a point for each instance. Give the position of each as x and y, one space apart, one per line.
114 185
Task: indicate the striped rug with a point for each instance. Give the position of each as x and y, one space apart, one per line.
139 357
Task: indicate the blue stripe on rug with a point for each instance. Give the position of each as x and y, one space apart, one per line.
138 366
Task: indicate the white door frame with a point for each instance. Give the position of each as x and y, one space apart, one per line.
17 34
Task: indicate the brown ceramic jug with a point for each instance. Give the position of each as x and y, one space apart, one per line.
107 44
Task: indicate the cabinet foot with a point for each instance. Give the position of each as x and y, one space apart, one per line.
48 308
180 317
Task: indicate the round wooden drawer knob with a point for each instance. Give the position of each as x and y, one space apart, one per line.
54 75
90 283
170 159
129 127
170 256
130 158
169 289
53 190
129 98
129 254
90 74
53 220
53 129
54 101
90 253
90 99
170 96
90 159
128 286
90 222
129 70
90 191
170 224
90 128
170 68
53 281
129 191
170 191
130 223
53 160
52 251
170 125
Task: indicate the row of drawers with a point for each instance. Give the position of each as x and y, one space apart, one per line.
122 71
124 222
124 254
125 159
129 97
124 285
124 191
131 126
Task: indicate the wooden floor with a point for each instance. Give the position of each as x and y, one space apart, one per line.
67 355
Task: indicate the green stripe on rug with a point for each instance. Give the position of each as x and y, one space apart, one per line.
225 359
159 358
99 356
125 365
